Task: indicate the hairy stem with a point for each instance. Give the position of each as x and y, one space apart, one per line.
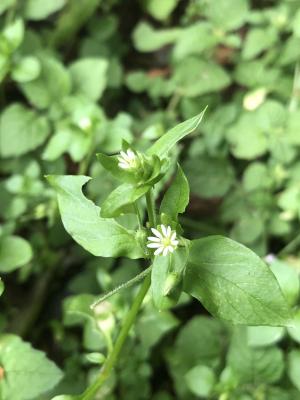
125 285
110 362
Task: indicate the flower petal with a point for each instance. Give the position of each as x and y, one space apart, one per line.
171 249
123 165
165 252
153 245
123 154
173 237
174 242
130 154
153 239
169 231
156 233
158 251
164 230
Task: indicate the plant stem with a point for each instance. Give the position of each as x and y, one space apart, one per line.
150 208
125 285
112 358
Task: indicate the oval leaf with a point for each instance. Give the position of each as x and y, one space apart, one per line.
234 284
14 252
81 218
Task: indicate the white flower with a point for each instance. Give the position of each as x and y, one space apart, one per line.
127 160
164 241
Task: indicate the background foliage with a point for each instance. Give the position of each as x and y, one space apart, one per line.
76 79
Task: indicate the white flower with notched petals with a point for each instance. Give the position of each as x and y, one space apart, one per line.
164 242
127 160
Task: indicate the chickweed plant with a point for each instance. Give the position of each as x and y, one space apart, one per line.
229 279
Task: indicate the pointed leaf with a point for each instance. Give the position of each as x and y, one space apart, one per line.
165 143
234 284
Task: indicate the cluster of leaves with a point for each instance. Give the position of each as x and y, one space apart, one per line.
80 78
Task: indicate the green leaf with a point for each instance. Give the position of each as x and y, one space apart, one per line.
14 252
200 380
81 219
77 309
195 39
247 137
294 367
176 198
206 335
234 284
147 39
89 76
6 4
165 143
160 10
115 131
256 74
200 340
294 329
288 280
254 366
27 372
60 142
152 326
258 40
256 176
195 77
21 130
227 15
39 9
52 84
259 336
209 176
14 34
121 200
26 69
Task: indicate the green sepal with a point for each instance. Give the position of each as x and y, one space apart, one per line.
166 278
149 170
110 163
